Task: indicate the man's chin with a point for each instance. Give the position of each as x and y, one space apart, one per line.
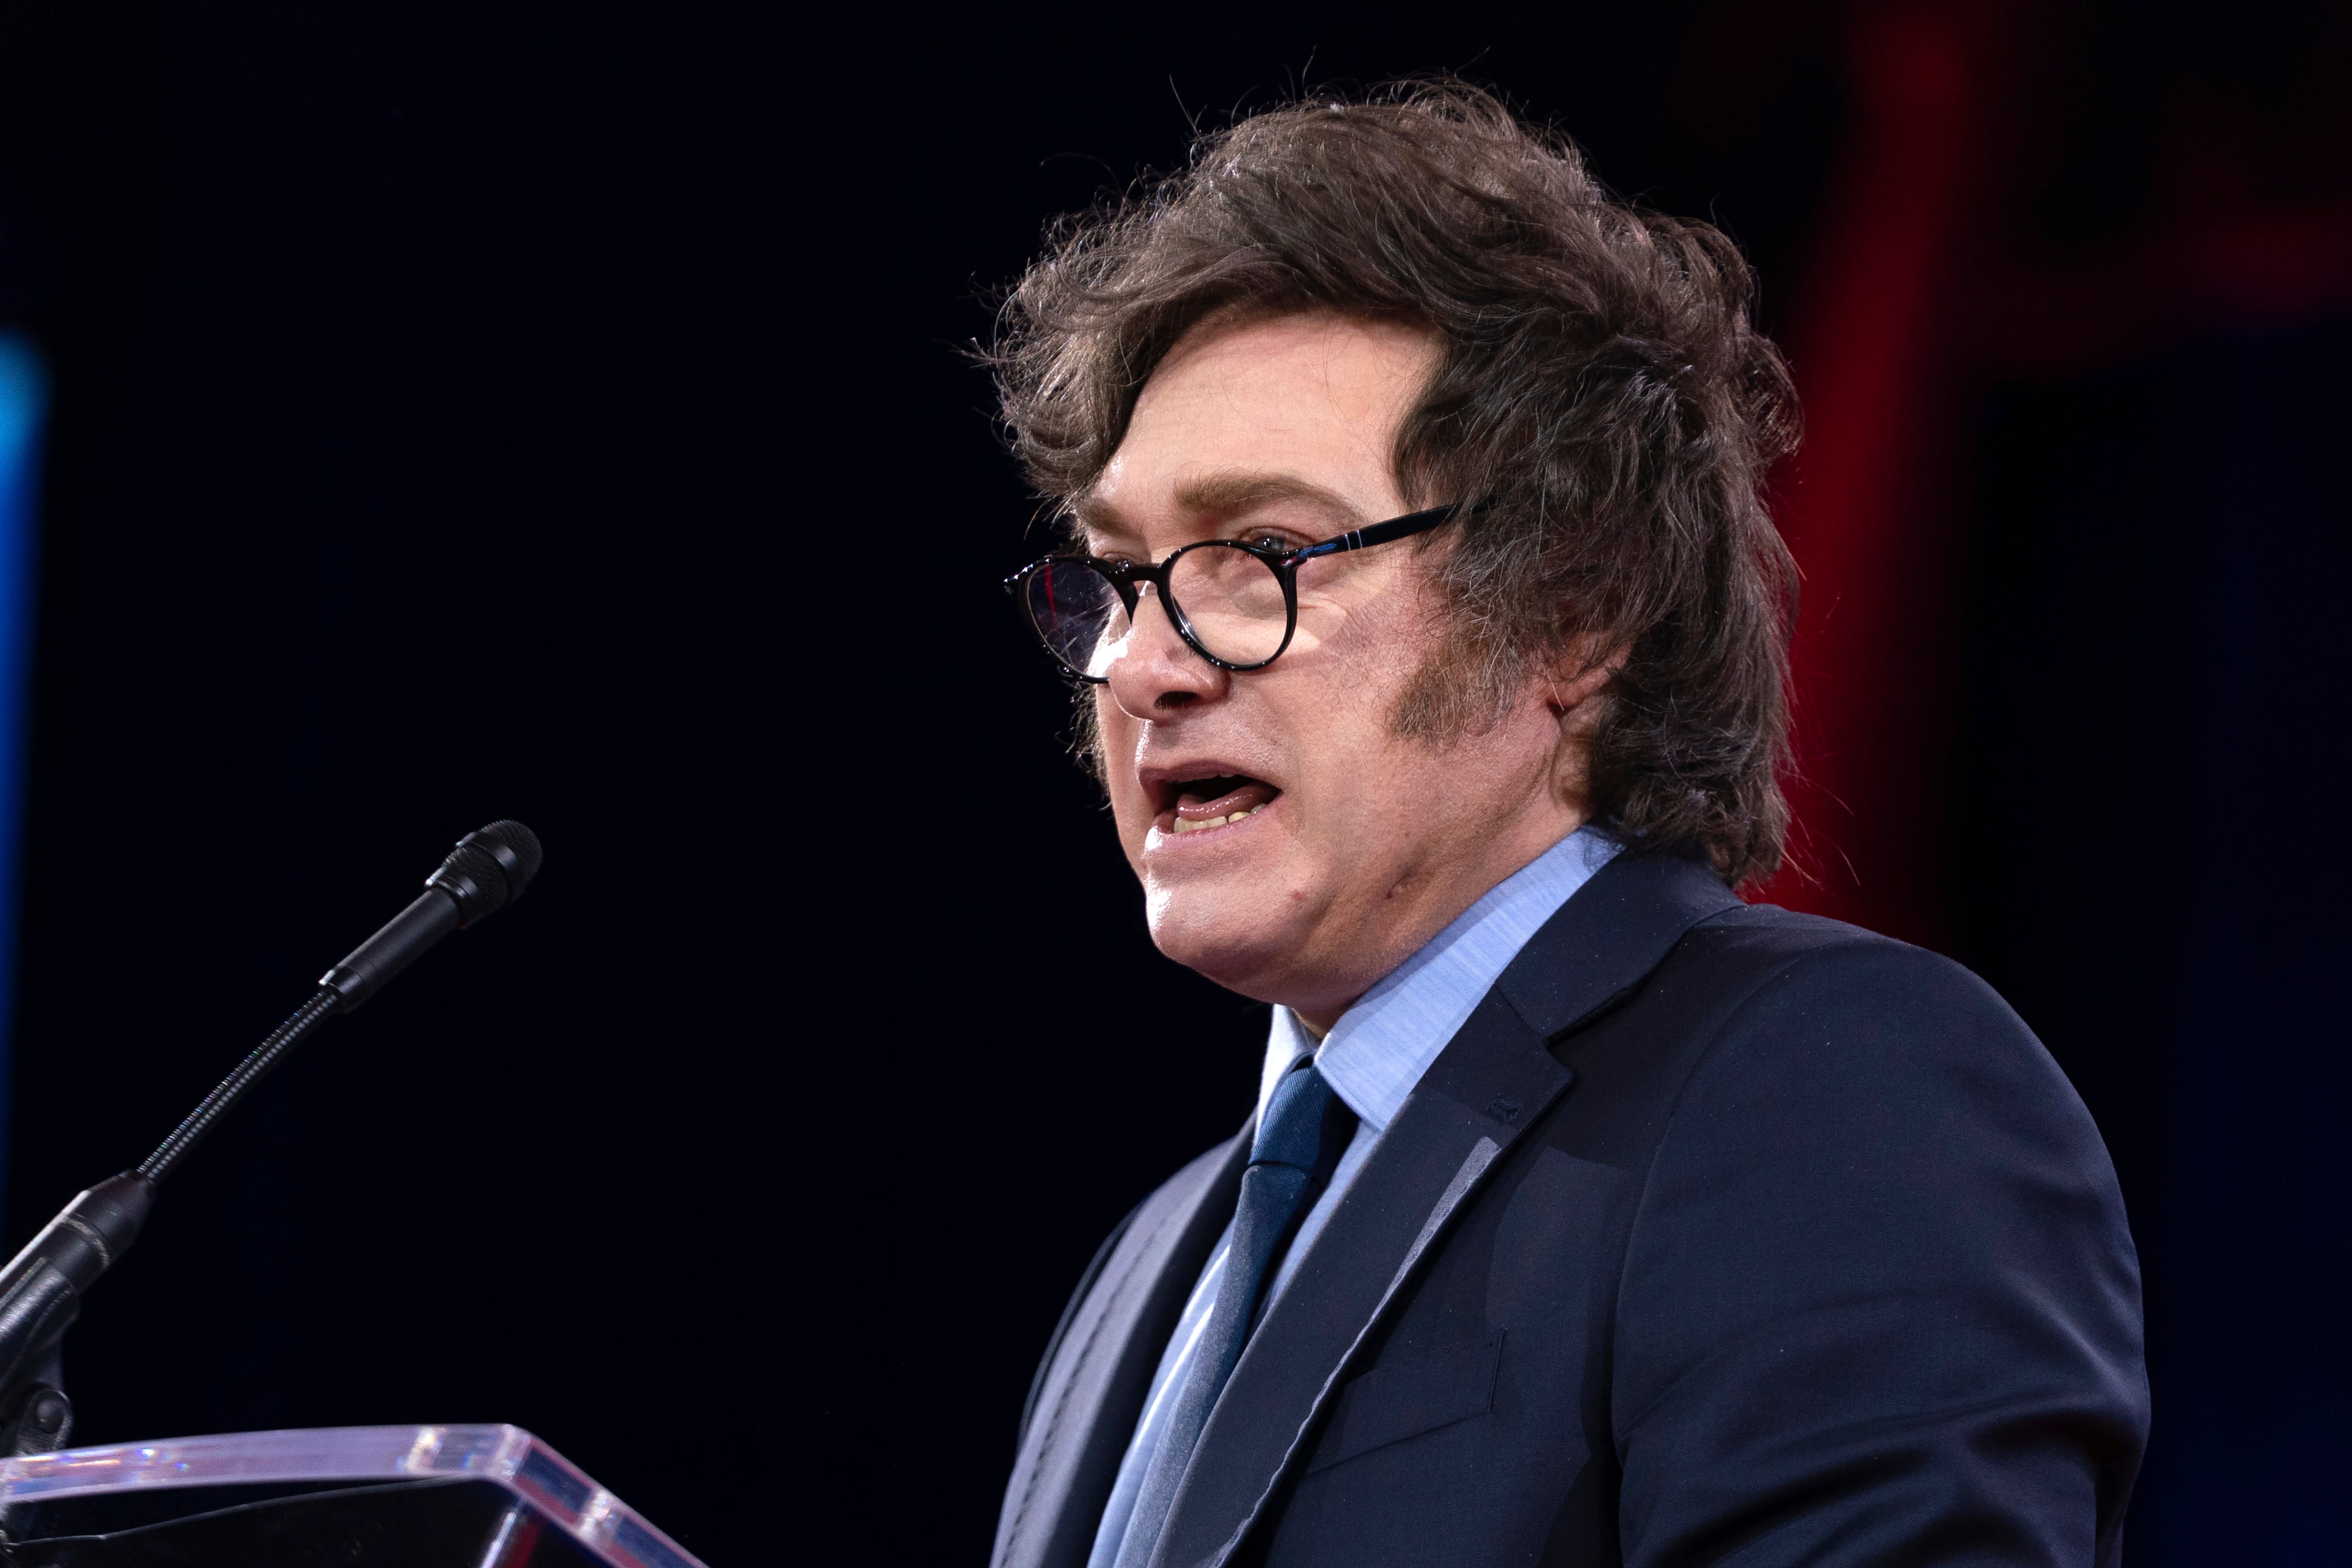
1236 947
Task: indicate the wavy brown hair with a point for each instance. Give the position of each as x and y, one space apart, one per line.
1602 387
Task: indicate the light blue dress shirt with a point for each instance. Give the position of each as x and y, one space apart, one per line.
1371 1059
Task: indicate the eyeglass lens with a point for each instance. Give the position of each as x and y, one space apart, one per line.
1078 614
1232 599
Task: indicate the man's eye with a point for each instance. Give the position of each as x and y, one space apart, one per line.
1272 542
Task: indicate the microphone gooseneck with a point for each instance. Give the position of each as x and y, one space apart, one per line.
41 1288
486 872
307 1017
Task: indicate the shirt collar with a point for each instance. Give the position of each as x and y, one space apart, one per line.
1381 1046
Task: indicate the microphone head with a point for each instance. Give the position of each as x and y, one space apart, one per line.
489 869
516 849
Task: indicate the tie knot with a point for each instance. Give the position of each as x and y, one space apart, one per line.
1291 1133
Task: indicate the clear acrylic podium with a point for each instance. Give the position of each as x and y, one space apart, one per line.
355 1497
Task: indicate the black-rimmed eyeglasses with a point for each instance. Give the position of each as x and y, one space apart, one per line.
1234 603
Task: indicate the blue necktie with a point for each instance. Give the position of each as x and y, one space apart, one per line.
1298 1142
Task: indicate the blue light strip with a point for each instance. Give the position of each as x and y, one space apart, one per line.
23 400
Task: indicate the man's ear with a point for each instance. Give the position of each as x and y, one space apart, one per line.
1577 692
1577 680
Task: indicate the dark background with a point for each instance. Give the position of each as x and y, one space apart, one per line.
559 412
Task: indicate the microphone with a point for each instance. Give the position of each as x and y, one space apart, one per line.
41 1288
487 871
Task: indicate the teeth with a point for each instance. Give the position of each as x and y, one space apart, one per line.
1185 826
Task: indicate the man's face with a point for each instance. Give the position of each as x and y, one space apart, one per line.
1359 843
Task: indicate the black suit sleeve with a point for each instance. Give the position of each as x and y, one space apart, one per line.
1880 1304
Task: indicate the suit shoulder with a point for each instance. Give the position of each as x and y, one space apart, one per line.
1760 1008
1814 1016
1769 929
1756 946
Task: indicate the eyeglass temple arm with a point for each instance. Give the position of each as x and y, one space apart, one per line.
1380 532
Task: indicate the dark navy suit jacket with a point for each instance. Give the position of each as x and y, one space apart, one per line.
1718 1234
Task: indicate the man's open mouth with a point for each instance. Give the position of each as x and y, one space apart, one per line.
1194 804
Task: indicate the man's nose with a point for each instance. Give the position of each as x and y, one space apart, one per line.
1159 675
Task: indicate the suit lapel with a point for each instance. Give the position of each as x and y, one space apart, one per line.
1605 941
1084 1406
1495 1078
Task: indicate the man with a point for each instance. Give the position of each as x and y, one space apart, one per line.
1431 635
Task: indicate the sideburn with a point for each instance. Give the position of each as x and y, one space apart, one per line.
1086 737
1463 687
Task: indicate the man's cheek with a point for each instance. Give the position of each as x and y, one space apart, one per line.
1131 816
